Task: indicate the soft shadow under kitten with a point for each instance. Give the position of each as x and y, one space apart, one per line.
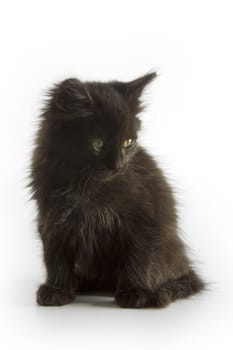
106 214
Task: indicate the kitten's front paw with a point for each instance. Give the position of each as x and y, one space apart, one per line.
49 296
132 298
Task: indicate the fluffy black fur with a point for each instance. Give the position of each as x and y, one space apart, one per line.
106 214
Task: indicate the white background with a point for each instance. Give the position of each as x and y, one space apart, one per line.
187 126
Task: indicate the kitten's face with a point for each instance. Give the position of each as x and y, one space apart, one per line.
94 125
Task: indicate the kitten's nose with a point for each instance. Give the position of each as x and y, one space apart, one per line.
119 163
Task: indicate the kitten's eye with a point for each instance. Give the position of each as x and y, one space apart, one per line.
97 144
128 143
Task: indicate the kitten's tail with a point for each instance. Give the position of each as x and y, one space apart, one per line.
183 287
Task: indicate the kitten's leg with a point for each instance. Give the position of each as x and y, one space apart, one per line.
133 288
147 275
59 288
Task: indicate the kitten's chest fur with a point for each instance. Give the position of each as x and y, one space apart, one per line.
99 211
99 218
97 234
102 212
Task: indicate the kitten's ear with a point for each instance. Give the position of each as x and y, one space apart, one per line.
69 95
132 90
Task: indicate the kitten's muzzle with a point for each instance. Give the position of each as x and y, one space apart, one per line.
119 164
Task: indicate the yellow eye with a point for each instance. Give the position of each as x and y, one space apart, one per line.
128 143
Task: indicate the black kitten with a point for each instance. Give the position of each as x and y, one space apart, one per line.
107 216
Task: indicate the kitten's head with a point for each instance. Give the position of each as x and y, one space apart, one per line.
93 125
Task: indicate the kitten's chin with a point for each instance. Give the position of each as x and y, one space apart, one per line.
106 175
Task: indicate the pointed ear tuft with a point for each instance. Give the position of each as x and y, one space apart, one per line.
132 90
137 86
68 95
